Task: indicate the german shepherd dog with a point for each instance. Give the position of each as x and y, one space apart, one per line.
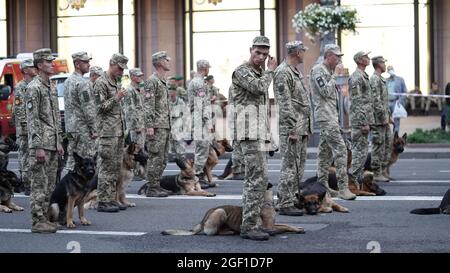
443 208
71 191
314 198
227 220
8 182
218 148
134 162
184 183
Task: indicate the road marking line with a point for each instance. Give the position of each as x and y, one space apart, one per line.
415 181
83 232
445 171
219 171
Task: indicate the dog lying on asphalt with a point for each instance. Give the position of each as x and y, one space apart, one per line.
227 220
71 191
443 208
185 183
367 187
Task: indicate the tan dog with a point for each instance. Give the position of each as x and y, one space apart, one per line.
217 149
227 220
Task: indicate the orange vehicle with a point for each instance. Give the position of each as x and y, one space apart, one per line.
10 75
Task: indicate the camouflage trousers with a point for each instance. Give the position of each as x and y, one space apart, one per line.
381 148
82 144
255 182
237 159
110 154
177 148
360 151
292 168
332 146
158 149
202 146
24 164
43 181
138 138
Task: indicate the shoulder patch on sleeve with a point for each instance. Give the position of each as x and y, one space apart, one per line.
320 81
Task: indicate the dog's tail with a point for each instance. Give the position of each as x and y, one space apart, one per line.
227 171
53 212
180 232
426 211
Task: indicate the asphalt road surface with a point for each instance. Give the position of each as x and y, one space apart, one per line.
379 224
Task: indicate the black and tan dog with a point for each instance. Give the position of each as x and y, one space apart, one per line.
443 208
314 198
71 191
367 186
218 148
227 220
184 183
134 163
8 182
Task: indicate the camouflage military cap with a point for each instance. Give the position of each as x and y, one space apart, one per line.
81 56
360 54
378 59
296 45
26 63
209 77
120 59
97 70
160 55
203 64
261 41
333 48
136 72
43 54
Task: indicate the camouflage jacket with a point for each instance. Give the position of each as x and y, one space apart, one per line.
380 99
19 108
361 100
293 100
44 122
156 103
79 106
251 100
134 108
109 118
325 95
199 101
179 113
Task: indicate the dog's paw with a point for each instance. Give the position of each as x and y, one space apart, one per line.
211 195
70 225
7 210
17 208
85 222
131 205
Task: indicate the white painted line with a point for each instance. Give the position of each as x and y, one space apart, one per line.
219 171
445 171
395 198
415 181
83 232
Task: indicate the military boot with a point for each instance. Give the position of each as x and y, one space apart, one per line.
106 207
291 211
203 183
119 205
155 191
346 194
43 227
255 234
55 225
333 193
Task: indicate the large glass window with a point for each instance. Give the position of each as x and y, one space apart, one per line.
387 28
96 29
223 34
3 33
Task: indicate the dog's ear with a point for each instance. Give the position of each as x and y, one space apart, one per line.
130 149
180 164
405 136
77 158
269 186
95 157
395 135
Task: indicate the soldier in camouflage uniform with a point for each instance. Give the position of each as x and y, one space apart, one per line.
110 126
94 73
237 158
157 122
79 111
331 144
381 131
250 88
361 114
134 107
20 118
179 113
200 105
181 91
44 140
295 125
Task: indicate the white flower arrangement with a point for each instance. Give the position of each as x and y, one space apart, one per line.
320 20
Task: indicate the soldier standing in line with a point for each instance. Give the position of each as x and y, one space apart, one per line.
295 123
79 111
157 122
181 91
361 114
134 107
250 88
237 158
200 105
331 143
108 94
178 110
94 73
381 133
44 139
20 118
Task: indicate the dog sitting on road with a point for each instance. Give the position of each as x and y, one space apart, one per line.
71 191
218 148
227 220
185 183
443 208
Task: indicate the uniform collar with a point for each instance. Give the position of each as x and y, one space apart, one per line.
110 80
256 70
293 69
39 78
